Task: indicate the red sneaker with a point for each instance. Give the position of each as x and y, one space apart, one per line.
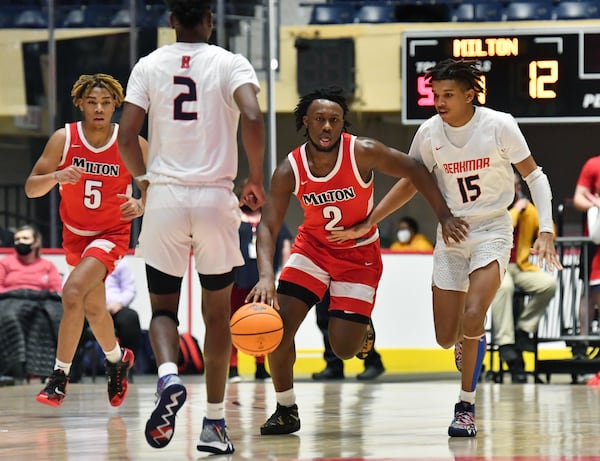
55 391
117 377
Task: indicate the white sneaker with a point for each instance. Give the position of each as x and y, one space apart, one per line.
214 438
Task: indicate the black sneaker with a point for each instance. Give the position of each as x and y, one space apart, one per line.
55 391
369 343
261 372
234 376
117 377
327 374
463 424
371 372
285 420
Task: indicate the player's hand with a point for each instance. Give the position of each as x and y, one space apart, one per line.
455 229
544 248
264 292
70 175
253 195
593 198
352 233
132 207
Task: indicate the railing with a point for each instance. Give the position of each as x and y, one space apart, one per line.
568 315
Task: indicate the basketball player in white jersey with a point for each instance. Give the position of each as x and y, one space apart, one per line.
470 150
194 94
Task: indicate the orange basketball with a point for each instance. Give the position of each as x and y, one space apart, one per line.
256 329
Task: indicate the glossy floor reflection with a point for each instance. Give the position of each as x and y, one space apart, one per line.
381 421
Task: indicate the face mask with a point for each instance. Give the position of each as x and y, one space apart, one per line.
23 248
403 235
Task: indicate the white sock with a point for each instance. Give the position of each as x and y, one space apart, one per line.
286 398
115 355
215 410
167 368
65 367
465 396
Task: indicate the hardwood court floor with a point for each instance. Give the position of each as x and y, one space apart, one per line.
343 420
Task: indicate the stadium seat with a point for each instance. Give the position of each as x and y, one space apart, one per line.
74 17
31 18
122 18
477 11
375 13
528 11
332 13
577 10
97 15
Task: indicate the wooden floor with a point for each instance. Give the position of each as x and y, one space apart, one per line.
349 420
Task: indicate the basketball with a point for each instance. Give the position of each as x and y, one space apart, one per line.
256 329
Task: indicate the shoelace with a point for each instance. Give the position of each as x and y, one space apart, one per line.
116 383
464 418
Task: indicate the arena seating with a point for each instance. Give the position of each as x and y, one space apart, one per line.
153 13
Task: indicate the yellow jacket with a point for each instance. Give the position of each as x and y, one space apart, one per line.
528 231
418 243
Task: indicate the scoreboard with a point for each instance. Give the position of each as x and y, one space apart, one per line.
537 75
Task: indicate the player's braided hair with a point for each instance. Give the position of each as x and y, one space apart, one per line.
464 71
189 13
333 93
86 83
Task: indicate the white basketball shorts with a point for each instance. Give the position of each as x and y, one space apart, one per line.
178 219
490 239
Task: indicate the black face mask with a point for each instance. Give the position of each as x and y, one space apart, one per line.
23 248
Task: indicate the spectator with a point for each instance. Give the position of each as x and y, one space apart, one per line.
521 273
408 237
30 308
587 200
334 368
25 268
246 277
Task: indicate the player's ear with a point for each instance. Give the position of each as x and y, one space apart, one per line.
470 95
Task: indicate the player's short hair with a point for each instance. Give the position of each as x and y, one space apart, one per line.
463 71
189 13
332 93
86 83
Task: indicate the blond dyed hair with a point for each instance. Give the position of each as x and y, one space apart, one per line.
86 83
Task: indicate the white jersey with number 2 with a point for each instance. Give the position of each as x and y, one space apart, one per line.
472 163
193 120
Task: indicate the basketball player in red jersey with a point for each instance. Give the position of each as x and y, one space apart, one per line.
96 209
332 177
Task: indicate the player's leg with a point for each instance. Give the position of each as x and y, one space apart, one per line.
353 288
164 336
118 361
216 308
295 302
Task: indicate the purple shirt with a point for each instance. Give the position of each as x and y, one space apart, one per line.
120 285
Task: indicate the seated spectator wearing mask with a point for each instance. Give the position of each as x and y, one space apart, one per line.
25 268
30 309
408 237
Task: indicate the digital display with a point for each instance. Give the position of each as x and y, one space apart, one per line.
537 75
